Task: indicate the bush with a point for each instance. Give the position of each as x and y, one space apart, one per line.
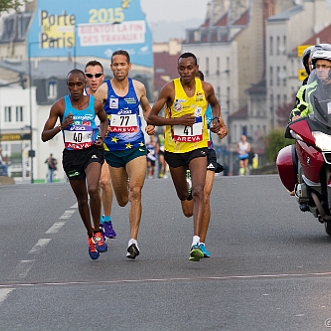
274 142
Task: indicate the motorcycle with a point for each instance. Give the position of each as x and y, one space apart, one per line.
305 167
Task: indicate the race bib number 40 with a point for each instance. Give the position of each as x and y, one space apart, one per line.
185 133
123 123
78 139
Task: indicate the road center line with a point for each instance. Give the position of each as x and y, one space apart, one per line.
22 269
39 246
4 294
67 214
55 227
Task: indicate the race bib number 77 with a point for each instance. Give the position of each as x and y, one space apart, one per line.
123 123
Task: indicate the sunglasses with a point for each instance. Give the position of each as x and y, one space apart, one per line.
98 75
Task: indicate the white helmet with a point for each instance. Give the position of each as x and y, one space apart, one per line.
321 52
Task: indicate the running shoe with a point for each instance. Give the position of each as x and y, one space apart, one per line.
108 230
189 184
204 250
132 251
99 241
92 249
196 253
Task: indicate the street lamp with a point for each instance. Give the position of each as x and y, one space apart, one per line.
31 151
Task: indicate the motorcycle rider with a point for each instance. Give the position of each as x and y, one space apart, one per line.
300 103
320 87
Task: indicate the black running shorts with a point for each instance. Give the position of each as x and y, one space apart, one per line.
176 160
75 161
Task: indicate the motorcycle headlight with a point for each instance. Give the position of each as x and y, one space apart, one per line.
322 140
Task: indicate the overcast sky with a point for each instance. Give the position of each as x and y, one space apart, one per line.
188 14
173 10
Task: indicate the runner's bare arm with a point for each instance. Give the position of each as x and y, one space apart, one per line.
100 112
102 93
57 111
166 96
145 106
218 124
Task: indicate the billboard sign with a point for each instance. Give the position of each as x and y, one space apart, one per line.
90 29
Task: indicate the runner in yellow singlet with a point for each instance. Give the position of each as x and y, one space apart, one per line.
186 136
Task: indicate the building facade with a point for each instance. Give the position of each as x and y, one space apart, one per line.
40 44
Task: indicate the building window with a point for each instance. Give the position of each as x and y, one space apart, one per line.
271 46
278 76
7 114
278 45
285 76
207 66
278 100
271 74
218 93
52 89
19 114
228 96
271 102
284 44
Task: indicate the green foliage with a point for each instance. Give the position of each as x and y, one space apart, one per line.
274 142
6 5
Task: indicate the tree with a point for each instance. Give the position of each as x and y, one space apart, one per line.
6 5
274 142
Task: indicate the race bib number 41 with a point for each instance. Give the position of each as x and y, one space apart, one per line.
185 133
123 123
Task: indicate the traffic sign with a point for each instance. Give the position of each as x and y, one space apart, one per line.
301 48
302 74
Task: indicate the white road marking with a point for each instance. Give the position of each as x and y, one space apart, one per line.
55 227
67 214
24 266
39 246
22 269
170 280
75 205
4 294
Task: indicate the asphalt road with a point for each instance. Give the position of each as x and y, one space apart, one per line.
269 267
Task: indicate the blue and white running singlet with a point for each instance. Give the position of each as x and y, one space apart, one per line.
124 123
83 133
209 119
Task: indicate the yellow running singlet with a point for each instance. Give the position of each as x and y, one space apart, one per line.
181 138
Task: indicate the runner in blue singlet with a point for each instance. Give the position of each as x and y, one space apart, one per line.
83 154
125 149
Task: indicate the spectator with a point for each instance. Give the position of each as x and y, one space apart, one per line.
51 163
151 157
3 164
243 149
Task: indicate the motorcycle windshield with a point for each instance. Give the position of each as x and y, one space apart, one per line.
318 96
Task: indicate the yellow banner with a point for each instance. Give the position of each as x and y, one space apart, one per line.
14 136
